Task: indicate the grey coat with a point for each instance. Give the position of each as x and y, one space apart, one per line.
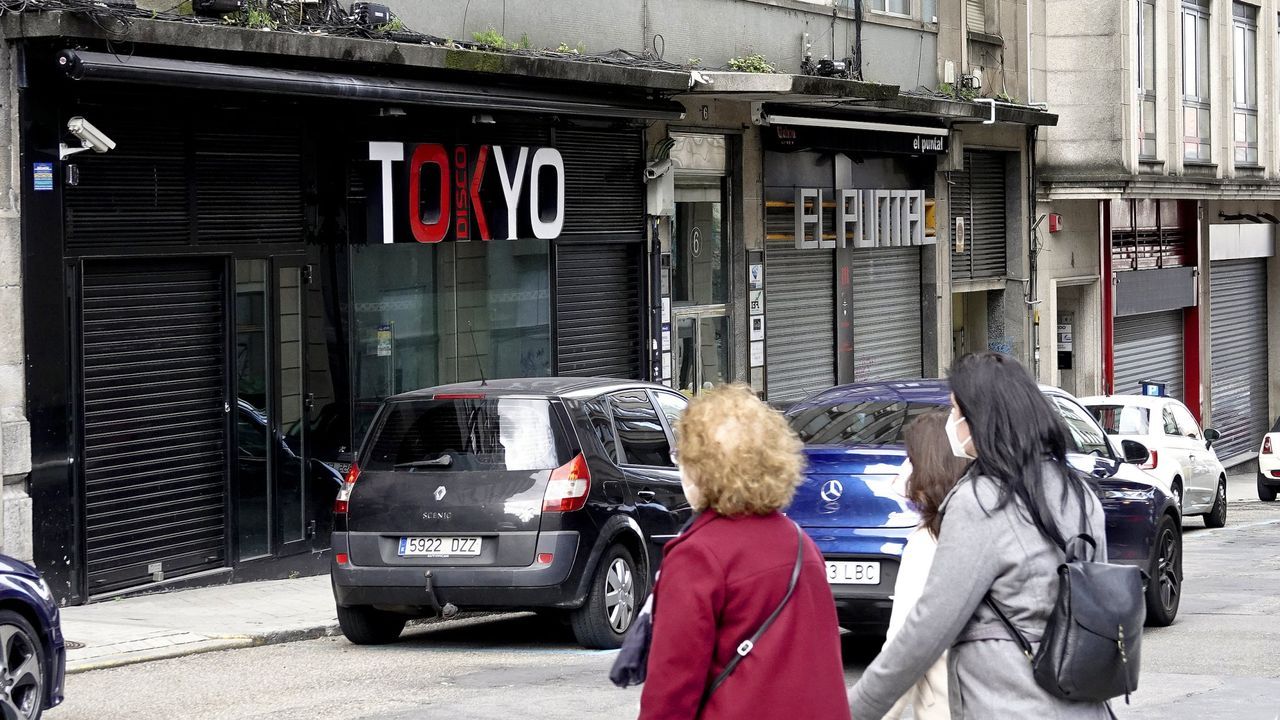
981 548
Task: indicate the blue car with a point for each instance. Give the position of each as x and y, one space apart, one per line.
35 658
847 504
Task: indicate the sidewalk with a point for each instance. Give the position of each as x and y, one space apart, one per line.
185 622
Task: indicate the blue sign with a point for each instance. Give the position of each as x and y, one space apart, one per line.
1153 389
43 174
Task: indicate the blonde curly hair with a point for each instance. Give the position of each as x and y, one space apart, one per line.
740 454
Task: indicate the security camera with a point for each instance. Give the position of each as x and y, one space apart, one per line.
91 138
657 169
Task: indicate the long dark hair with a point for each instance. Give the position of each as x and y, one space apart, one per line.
1015 432
934 468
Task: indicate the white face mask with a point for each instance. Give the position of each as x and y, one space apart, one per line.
953 436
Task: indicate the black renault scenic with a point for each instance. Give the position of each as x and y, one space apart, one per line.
547 494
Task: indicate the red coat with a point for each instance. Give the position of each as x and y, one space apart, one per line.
720 580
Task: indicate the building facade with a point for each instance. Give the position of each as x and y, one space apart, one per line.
1161 182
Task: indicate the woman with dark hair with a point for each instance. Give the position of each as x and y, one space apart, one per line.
930 473
1003 529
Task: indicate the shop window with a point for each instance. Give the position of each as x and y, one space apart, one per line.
425 315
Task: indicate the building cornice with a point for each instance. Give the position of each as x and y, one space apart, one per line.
1163 187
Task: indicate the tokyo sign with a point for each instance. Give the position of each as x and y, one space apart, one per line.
433 192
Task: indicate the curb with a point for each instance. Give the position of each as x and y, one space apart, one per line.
213 643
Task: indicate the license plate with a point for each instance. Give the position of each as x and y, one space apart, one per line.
439 546
853 573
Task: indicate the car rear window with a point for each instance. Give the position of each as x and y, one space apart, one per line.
858 422
468 434
1122 419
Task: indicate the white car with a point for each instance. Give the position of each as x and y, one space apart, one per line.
1269 465
1181 454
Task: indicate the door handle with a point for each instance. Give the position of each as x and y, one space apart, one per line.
646 495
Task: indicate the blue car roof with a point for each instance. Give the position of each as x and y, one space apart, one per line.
922 392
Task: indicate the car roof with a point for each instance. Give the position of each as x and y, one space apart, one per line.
1144 401
924 392
567 387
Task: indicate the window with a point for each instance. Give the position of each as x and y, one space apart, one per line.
855 422
892 7
1147 79
672 406
644 442
1089 438
1122 419
975 15
1244 94
1195 81
1186 423
1170 424
602 427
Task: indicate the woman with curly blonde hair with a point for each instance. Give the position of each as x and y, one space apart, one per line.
730 571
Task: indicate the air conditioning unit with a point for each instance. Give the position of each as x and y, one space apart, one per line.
216 8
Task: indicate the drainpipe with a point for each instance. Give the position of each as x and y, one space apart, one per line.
1033 227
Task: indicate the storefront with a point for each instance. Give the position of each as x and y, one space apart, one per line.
216 307
846 226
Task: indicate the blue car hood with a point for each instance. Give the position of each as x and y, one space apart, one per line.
851 487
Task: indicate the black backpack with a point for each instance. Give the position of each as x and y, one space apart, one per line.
1092 644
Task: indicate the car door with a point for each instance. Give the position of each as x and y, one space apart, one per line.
1204 462
644 453
1183 454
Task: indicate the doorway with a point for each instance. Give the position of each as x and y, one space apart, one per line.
700 285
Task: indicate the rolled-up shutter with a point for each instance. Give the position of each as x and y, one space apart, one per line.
1238 332
153 359
599 310
800 306
886 314
976 15
1149 348
978 195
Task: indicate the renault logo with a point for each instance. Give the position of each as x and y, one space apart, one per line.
832 490
440 491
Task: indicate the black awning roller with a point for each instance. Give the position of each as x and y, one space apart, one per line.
106 67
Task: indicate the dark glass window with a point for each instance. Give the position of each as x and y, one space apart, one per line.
1122 419
481 434
858 422
643 440
602 428
1088 437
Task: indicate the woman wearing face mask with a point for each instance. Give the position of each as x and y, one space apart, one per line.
1003 526
930 473
730 570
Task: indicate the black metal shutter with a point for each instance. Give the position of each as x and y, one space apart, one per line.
800 304
1149 348
599 310
1238 332
155 450
978 195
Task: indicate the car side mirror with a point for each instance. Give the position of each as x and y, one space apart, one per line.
1135 453
1211 436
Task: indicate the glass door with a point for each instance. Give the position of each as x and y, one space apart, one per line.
701 350
292 406
700 261
254 459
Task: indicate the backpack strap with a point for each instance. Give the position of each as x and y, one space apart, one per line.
1014 632
749 644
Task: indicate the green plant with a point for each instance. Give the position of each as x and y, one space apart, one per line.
579 49
1005 97
753 63
396 25
693 62
490 37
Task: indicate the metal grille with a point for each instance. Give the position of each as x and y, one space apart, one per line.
1149 347
599 310
800 307
978 196
603 182
248 188
154 420
886 314
1238 342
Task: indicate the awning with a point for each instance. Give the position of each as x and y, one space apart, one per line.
770 119
106 67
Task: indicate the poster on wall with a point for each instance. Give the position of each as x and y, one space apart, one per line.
756 299
757 353
384 340
755 275
757 327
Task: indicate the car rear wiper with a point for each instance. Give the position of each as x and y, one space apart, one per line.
442 461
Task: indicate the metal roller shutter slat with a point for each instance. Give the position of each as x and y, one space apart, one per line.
1239 356
800 307
1149 347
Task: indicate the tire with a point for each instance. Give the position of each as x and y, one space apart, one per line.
1164 591
1176 488
1266 493
1217 515
364 625
24 668
603 620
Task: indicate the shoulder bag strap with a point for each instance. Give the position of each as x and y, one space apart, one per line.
1017 635
748 645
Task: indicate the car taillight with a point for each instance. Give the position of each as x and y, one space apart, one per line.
1266 445
342 502
1153 462
570 483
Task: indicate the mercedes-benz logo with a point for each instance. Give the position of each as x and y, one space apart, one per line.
440 491
832 490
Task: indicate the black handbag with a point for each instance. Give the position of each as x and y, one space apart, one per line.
1092 645
632 664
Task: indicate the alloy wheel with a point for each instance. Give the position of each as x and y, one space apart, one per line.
619 595
1167 570
21 677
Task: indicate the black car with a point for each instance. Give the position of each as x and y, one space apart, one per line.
551 494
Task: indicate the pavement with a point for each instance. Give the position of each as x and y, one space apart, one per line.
185 622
